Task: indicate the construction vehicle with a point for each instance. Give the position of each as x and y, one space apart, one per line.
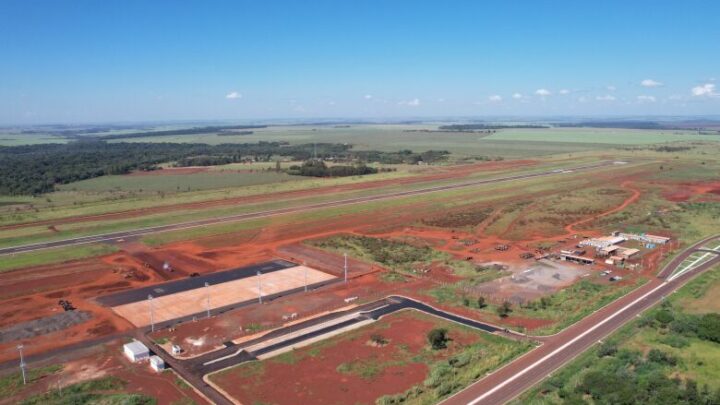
66 305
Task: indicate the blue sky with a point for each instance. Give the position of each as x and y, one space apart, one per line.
98 61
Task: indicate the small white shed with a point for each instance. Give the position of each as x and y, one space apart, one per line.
157 363
136 351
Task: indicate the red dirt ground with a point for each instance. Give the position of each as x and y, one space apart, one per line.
306 381
33 293
690 191
140 377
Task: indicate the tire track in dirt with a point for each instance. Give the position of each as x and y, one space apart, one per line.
570 229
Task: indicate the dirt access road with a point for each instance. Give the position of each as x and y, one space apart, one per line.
512 380
110 237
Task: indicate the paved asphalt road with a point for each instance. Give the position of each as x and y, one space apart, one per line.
512 380
109 237
191 283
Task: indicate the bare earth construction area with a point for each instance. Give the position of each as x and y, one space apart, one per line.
193 302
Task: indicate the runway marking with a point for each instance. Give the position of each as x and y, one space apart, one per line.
563 347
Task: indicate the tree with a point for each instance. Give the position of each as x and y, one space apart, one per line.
664 317
437 338
709 327
505 309
378 339
481 302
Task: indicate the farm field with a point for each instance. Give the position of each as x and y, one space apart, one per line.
402 365
599 135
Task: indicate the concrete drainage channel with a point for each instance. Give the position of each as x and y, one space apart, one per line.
311 331
274 343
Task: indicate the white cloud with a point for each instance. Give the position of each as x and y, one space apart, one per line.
606 97
705 90
646 99
412 103
650 83
368 96
233 95
543 92
331 102
582 99
564 91
441 100
611 88
495 98
517 96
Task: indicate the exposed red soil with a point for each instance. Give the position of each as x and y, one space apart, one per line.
690 191
306 381
439 173
33 293
140 378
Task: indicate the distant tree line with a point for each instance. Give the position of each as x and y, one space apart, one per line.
473 127
184 131
612 124
404 156
318 168
37 169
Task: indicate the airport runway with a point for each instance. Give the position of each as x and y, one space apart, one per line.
512 380
114 236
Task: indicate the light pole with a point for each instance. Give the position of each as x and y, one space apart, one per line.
207 298
259 288
22 363
152 315
345 256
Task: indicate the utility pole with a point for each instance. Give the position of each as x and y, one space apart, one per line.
207 298
152 315
259 288
22 363
346 269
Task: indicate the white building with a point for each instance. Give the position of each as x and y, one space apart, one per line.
136 351
157 363
603 241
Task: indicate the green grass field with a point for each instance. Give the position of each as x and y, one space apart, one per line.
599 136
49 256
160 182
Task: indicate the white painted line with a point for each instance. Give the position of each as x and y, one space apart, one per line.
689 267
563 347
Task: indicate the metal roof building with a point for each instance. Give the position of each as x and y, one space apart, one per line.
136 351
